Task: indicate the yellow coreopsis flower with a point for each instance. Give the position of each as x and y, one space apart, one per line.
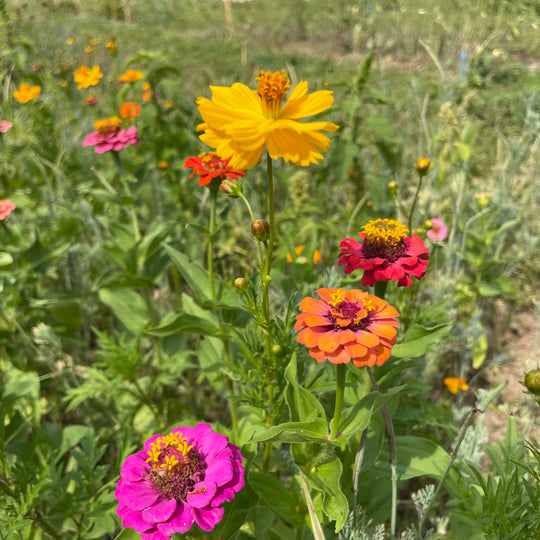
26 92
240 122
86 77
130 76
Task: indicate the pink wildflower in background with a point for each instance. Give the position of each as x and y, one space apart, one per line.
6 206
5 126
178 480
439 231
109 135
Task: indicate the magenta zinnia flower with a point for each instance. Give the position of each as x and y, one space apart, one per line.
439 231
386 253
177 480
109 135
6 206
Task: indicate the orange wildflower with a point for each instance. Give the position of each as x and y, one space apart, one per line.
26 92
130 76
85 76
299 250
347 325
455 384
130 110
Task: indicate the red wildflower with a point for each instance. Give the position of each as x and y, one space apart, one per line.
209 166
347 325
386 253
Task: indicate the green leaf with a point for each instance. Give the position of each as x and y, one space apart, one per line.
417 456
5 258
185 323
295 432
71 436
235 513
303 405
274 494
128 307
128 534
479 351
419 339
194 274
356 418
325 478
381 127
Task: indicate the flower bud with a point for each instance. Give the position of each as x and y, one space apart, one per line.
232 188
392 186
428 225
240 284
276 348
422 166
419 231
260 229
532 381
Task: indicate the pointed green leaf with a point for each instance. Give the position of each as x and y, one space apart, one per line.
194 274
419 339
184 323
294 432
128 307
303 405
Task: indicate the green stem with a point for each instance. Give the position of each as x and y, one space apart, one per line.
341 375
392 447
266 280
210 258
409 221
453 456
224 338
380 288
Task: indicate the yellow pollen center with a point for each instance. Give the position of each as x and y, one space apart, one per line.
166 452
337 297
386 231
108 125
272 89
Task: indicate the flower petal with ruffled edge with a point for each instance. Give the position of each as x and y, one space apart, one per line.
347 325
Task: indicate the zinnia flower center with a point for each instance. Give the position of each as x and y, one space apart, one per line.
211 162
350 315
108 125
384 239
176 467
272 89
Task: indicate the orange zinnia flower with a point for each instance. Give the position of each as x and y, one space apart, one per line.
130 110
455 384
347 325
26 92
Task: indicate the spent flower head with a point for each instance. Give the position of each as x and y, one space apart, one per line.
385 253
179 480
240 122
347 325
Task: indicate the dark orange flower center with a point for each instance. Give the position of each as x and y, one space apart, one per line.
108 125
272 89
384 239
349 315
176 467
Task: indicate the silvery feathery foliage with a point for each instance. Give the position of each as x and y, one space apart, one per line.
422 499
364 529
471 449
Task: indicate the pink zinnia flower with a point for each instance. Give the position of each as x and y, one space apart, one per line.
111 137
178 480
439 231
5 126
386 253
6 206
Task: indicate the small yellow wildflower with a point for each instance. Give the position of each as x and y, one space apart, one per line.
130 76
85 77
26 92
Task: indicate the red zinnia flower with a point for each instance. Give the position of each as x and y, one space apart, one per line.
347 325
209 166
386 253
